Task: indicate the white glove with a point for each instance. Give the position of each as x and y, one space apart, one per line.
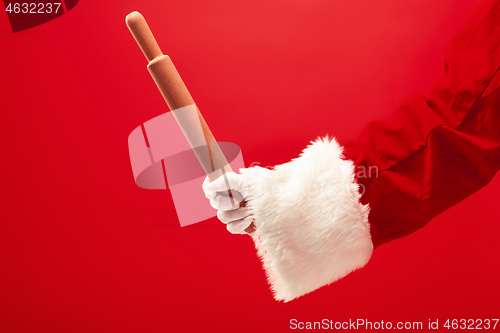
229 211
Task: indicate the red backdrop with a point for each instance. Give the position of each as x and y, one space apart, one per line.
83 249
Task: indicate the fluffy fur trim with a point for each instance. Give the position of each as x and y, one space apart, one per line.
311 227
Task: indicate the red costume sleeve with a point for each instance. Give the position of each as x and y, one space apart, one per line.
436 151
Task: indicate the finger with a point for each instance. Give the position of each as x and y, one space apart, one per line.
233 215
229 180
208 194
211 189
222 201
238 227
217 185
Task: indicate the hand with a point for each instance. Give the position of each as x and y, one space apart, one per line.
231 209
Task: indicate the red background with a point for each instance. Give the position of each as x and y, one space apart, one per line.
83 249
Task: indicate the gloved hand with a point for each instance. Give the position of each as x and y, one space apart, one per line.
231 212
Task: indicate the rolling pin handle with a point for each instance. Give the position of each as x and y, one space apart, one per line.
143 35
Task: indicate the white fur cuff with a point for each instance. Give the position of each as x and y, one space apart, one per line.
311 228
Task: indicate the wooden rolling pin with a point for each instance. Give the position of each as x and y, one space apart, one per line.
177 96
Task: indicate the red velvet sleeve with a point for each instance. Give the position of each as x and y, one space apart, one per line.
436 151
